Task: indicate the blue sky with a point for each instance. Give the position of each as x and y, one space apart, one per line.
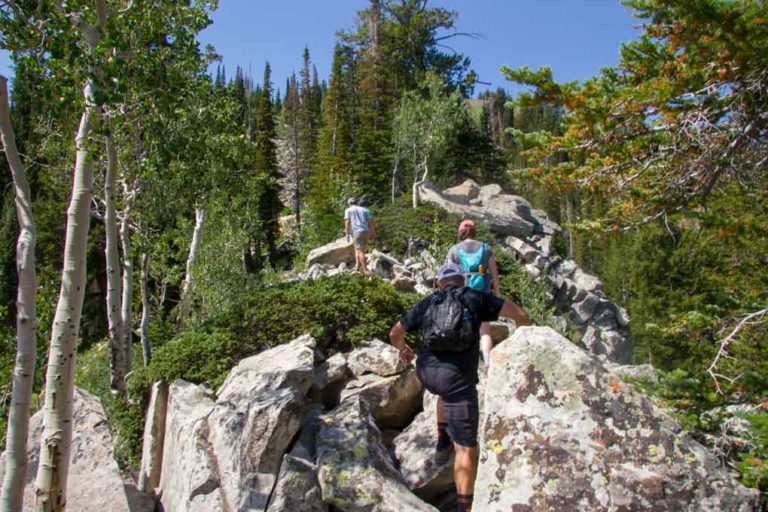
574 37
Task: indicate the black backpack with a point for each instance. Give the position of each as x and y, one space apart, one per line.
447 324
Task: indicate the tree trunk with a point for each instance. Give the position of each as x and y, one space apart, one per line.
296 165
417 182
24 369
394 174
117 363
127 303
51 483
194 250
571 217
55 444
146 349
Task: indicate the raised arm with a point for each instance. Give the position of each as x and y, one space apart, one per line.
516 313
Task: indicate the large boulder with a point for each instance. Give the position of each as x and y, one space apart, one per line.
499 221
297 488
562 432
333 254
189 480
463 193
259 409
527 252
393 400
375 356
415 453
329 371
154 437
355 471
381 264
225 454
493 199
611 343
94 482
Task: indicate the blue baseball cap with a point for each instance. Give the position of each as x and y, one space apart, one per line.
449 270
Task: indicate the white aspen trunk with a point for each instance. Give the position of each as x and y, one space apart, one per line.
55 444
51 483
127 302
146 349
416 182
194 250
117 363
394 177
12 497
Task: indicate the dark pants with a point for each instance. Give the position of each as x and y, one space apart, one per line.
459 396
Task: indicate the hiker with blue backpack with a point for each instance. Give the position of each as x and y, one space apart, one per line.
448 322
476 258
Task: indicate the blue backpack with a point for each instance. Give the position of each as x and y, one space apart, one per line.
474 264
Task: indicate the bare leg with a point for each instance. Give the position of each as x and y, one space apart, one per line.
360 254
440 411
486 342
465 468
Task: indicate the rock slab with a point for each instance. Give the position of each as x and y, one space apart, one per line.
563 433
355 471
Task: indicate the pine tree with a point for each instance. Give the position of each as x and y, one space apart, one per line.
266 166
307 130
377 96
332 178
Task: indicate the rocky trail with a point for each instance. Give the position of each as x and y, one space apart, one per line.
293 429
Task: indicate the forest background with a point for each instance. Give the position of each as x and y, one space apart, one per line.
655 167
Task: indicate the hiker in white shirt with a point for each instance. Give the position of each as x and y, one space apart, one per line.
360 227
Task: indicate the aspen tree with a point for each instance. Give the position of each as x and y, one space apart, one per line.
24 369
51 482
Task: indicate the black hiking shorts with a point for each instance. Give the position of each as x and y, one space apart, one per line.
459 396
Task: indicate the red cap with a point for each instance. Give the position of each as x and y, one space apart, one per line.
466 225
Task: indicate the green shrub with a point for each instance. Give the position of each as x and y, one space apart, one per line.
338 311
397 222
753 463
93 376
695 405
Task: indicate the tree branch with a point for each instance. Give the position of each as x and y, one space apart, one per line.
725 343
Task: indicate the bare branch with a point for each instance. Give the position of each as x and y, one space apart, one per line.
725 343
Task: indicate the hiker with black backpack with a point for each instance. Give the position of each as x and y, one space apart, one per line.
448 322
482 273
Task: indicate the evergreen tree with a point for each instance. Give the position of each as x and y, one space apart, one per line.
332 178
266 167
377 97
291 167
307 130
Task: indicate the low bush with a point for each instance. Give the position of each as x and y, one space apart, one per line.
338 311
399 221
693 402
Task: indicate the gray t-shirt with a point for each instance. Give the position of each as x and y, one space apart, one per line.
358 219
